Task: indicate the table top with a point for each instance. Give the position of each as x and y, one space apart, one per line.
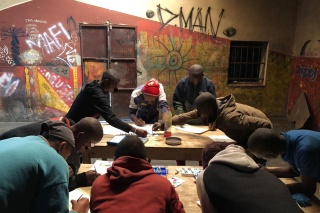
190 148
188 140
188 191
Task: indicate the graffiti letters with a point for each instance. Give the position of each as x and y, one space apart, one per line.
203 23
32 31
307 72
50 41
4 56
59 85
8 84
53 46
36 21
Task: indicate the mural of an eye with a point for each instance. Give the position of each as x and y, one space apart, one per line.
174 61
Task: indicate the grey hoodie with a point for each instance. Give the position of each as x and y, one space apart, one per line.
233 156
234 183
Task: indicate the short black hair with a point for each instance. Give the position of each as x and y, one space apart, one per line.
131 146
208 102
263 140
196 70
111 74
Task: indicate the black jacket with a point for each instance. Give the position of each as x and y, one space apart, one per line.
93 102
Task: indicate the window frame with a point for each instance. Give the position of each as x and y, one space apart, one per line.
258 63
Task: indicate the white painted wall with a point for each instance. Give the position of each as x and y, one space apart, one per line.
272 20
308 28
4 4
256 20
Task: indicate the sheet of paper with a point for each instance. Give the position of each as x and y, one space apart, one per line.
192 129
101 166
74 195
147 127
221 138
110 130
117 138
175 181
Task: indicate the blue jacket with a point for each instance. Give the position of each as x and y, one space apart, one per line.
186 93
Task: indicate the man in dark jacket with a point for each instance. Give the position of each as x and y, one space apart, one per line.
88 130
93 101
188 89
131 185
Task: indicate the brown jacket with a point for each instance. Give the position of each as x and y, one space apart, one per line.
237 121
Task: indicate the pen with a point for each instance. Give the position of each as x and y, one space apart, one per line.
95 168
80 197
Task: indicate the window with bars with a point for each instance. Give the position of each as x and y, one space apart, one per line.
247 62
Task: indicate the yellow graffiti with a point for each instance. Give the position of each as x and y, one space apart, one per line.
28 88
49 97
75 82
36 87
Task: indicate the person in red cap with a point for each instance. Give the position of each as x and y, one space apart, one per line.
146 101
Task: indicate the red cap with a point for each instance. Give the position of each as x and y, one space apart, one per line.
151 88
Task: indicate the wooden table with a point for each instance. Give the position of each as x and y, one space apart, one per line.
188 191
190 149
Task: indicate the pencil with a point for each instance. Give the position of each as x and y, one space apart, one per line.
80 197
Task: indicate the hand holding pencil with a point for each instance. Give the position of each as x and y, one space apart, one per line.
81 205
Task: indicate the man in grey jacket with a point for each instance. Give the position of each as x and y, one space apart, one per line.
234 183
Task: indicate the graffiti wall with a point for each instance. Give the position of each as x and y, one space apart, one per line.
304 78
30 93
40 54
167 55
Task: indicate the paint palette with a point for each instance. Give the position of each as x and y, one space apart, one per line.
190 172
160 170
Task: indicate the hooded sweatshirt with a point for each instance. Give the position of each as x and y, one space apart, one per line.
131 185
239 121
234 183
